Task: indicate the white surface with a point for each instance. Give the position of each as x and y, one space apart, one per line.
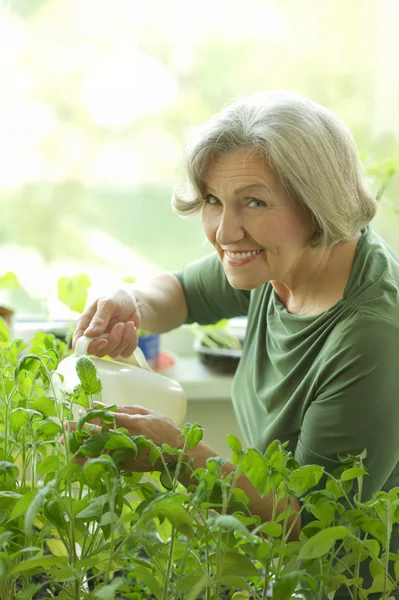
198 381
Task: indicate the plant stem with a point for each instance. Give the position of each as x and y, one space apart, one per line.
6 419
267 578
218 565
338 483
165 590
387 546
208 566
357 566
72 552
111 496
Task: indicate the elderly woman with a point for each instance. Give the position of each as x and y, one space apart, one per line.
287 208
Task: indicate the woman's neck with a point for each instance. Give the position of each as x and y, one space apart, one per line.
319 282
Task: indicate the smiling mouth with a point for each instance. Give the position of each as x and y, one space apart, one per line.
242 255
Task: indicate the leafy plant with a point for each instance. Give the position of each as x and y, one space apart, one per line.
382 174
9 281
94 530
73 291
217 335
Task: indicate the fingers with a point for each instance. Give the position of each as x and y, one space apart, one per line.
117 315
90 427
119 415
133 410
84 322
98 322
122 341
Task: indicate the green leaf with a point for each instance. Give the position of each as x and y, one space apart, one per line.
171 508
8 472
230 523
378 585
87 374
234 444
5 336
270 528
96 413
9 281
233 581
145 576
20 416
94 445
286 585
44 405
333 487
50 464
23 504
96 469
384 167
94 508
37 503
48 429
254 466
376 528
118 440
108 518
8 499
238 495
80 397
263 551
193 435
373 547
73 291
353 473
236 564
40 563
321 543
28 592
304 478
169 450
108 591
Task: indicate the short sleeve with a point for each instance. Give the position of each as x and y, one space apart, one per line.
356 403
208 294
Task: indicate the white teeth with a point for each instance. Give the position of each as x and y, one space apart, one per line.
241 255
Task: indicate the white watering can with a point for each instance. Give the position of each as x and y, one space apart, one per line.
125 383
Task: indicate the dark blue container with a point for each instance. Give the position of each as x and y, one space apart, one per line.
150 346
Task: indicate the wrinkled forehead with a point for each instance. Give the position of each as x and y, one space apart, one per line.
238 169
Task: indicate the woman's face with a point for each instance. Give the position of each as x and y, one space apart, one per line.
257 231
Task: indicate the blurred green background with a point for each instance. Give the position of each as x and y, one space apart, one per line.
98 96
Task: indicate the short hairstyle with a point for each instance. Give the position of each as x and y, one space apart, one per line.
309 147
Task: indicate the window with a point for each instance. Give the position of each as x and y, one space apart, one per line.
98 96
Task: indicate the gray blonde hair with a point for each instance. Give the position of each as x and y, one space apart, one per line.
310 148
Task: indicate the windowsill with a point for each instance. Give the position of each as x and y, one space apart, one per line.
199 382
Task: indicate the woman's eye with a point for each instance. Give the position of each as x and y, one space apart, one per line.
254 203
212 200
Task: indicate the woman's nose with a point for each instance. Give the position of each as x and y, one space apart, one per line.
230 229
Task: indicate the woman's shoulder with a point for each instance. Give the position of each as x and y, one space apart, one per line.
373 287
364 337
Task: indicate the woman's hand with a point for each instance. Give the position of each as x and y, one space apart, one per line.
117 315
139 421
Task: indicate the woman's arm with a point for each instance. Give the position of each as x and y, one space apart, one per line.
162 430
161 303
260 506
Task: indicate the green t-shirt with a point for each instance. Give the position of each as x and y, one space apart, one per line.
327 384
